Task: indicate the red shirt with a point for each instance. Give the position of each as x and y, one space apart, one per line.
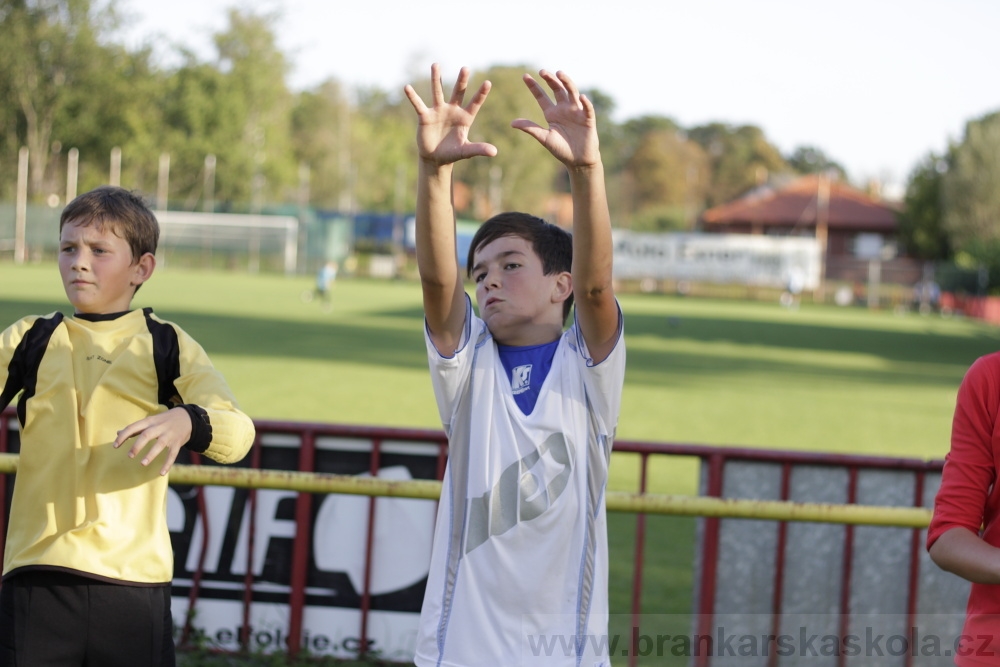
970 498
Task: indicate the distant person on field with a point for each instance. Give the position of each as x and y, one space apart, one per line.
530 410
107 398
964 534
325 278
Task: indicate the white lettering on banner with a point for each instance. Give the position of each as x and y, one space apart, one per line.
766 261
400 528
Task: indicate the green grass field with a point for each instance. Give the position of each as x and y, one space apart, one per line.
713 372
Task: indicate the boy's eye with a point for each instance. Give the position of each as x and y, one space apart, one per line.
478 277
512 265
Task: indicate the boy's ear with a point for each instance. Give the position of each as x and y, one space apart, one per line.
563 287
143 269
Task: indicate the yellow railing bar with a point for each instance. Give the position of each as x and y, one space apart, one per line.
617 501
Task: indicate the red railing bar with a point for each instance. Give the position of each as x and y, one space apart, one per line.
916 547
366 596
248 578
779 568
710 557
300 546
845 583
640 547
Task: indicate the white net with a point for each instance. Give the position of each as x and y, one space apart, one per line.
259 241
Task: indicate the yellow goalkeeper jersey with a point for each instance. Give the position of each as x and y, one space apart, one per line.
79 504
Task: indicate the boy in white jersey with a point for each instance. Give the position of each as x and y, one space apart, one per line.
519 565
106 399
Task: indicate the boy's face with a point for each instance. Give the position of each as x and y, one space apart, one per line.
519 303
97 269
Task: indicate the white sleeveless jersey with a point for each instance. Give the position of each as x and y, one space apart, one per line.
518 572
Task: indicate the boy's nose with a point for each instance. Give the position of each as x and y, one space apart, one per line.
80 262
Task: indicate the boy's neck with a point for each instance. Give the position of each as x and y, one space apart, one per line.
101 317
529 335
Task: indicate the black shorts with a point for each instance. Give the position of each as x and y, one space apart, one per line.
59 619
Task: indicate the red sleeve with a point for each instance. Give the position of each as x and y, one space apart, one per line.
970 466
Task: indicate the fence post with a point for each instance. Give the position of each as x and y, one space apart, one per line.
21 212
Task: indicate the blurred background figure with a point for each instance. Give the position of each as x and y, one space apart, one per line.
325 278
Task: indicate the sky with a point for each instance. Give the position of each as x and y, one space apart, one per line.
875 84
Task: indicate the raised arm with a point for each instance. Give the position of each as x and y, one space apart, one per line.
442 140
571 137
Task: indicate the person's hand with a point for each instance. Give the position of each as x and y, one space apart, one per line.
168 431
571 136
443 128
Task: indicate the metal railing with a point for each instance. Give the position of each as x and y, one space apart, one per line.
711 506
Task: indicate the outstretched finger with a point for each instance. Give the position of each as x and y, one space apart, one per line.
568 84
461 84
559 90
537 91
437 92
479 98
415 100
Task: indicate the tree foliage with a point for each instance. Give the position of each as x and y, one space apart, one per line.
65 83
812 160
51 55
740 158
921 223
971 191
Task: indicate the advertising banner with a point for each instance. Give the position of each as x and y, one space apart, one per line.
743 259
335 580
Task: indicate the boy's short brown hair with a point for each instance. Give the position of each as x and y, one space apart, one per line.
552 244
123 212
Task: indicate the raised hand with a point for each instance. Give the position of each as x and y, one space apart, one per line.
571 136
443 128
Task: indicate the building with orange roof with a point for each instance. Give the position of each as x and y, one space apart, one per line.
853 228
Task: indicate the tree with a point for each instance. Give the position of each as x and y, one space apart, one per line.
740 157
197 110
48 48
382 158
812 160
971 194
921 223
321 132
667 175
522 174
258 165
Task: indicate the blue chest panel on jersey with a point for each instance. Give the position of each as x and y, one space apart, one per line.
527 368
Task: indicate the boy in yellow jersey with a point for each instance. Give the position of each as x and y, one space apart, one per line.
107 398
